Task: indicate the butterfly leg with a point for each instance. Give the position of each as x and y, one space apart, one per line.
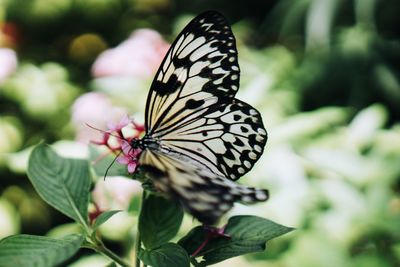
215 231
212 232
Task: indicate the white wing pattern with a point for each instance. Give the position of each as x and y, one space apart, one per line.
191 105
228 138
199 70
204 136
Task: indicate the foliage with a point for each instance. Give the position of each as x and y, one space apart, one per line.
245 234
63 183
29 250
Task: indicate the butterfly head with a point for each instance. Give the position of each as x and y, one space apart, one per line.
136 143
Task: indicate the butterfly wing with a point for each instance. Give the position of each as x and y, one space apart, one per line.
228 139
191 106
202 193
199 70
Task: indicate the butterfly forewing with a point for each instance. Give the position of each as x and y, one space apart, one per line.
199 70
198 136
202 193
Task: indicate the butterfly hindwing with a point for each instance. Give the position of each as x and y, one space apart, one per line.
199 70
202 193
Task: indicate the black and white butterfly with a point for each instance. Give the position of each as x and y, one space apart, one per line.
199 137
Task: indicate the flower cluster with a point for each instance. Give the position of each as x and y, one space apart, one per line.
118 139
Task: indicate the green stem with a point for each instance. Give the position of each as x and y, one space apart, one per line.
99 246
138 239
137 248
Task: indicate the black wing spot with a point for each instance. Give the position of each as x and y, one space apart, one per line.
238 142
228 154
235 107
181 62
167 88
215 59
194 104
249 120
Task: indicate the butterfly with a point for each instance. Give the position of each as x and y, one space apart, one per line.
199 138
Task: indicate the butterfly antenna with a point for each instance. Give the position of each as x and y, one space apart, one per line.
105 132
112 162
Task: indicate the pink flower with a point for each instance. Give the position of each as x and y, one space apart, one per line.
129 157
129 161
8 63
96 110
117 139
115 193
138 56
118 126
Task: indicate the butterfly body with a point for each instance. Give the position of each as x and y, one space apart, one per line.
145 143
199 137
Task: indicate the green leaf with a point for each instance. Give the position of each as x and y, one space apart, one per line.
134 205
167 255
103 217
247 234
159 221
62 183
30 250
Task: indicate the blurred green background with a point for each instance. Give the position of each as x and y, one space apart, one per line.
323 73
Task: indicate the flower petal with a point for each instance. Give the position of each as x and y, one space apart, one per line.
136 152
124 122
126 148
123 159
132 166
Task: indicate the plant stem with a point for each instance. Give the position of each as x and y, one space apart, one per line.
138 239
137 248
202 245
99 246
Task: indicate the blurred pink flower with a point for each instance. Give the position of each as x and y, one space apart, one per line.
118 126
138 56
8 63
94 109
115 193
